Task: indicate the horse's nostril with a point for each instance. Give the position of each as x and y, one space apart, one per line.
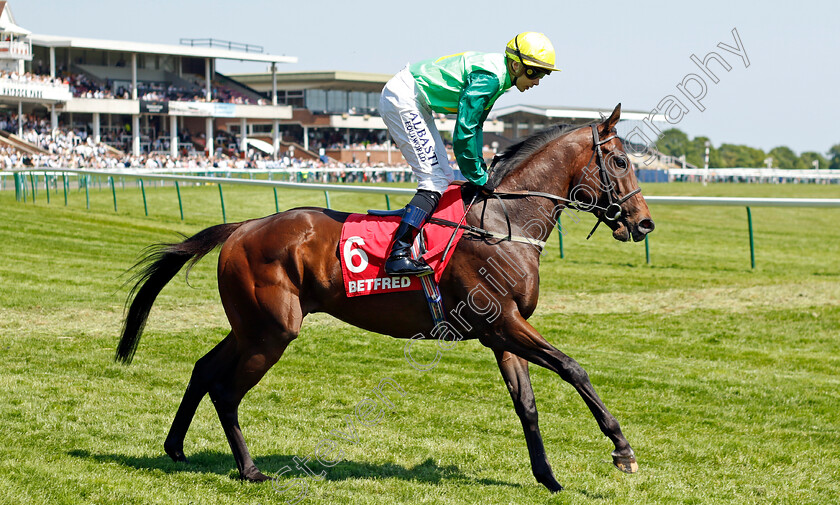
646 225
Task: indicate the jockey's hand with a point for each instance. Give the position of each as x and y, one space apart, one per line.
485 190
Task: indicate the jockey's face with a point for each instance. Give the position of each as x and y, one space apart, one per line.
523 82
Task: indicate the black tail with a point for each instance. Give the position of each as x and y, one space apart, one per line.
159 265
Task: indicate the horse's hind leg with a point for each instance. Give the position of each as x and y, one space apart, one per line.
518 381
248 367
263 306
263 330
204 371
526 342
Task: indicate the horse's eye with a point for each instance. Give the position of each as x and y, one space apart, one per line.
621 163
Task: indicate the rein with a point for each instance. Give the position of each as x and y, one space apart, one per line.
482 233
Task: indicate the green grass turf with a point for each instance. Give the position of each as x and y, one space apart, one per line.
725 379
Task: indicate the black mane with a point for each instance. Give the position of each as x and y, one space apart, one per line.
511 157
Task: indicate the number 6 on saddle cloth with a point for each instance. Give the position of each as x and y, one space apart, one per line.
364 243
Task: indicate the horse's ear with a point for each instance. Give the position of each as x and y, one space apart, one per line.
611 121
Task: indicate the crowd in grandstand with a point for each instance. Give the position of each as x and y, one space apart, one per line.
161 92
86 155
30 77
75 148
10 158
363 140
298 170
83 86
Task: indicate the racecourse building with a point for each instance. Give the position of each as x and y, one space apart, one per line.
132 95
160 88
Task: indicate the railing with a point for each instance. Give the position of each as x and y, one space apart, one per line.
829 176
226 44
16 48
21 192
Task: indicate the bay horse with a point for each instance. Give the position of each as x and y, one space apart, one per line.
275 270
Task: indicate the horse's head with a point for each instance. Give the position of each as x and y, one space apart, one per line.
605 182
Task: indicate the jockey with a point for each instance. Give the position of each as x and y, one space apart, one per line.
466 84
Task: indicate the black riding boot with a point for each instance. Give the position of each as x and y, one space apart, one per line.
399 260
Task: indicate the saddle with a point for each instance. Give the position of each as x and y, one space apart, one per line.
365 239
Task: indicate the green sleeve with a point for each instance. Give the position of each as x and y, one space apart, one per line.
468 138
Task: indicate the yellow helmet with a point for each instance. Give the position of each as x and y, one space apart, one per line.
532 49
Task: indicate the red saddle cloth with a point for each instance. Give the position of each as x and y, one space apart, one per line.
365 240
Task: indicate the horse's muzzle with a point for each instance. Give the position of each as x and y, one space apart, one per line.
637 231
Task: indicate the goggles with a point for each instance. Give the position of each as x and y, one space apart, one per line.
534 73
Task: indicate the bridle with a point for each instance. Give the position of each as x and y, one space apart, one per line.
611 212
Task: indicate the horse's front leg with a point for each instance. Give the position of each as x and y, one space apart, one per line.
515 373
523 340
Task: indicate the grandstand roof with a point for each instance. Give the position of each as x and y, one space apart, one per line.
149 48
327 79
573 113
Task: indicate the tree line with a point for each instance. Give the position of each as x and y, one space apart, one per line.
675 142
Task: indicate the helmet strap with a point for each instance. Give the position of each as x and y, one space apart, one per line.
517 75
514 75
521 71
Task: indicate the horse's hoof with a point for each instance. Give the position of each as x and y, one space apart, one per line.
555 488
551 484
177 455
625 462
255 476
